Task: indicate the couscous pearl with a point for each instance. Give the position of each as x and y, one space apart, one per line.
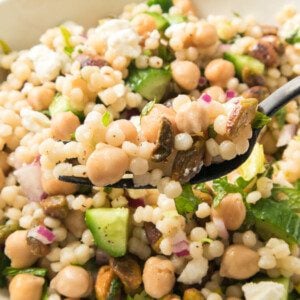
51 222
198 233
267 262
115 136
166 246
155 62
211 230
183 141
196 250
212 147
172 189
179 101
220 124
253 197
214 296
216 248
227 150
138 166
249 238
203 210
264 186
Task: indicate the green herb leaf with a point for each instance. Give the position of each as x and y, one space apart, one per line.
46 112
289 196
187 202
147 108
222 187
67 38
236 14
211 131
274 218
106 118
107 189
5 48
260 120
165 53
164 4
280 116
9 271
4 263
294 37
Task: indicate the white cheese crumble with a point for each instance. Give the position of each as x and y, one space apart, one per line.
194 271
120 38
264 290
47 63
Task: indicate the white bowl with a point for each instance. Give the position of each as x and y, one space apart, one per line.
23 21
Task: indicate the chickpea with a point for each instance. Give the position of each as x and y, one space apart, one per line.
143 24
150 123
18 251
2 179
232 210
185 6
127 128
219 71
54 186
205 35
75 223
158 277
40 97
107 165
192 117
239 262
63 125
186 74
73 282
26 286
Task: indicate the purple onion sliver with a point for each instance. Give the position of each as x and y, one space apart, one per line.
45 232
93 62
183 253
205 97
202 81
135 203
230 94
44 195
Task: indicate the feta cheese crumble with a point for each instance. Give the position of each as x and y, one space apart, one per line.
264 290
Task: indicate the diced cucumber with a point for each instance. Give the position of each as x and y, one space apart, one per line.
245 62
160 21
273 218
164 4
62 104
109 227
175 19
150 83
294 37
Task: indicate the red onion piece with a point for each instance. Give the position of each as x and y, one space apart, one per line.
205 97
181 248
42 234
230 94
102 258
202 81
29 178
135 203
286 134
223 233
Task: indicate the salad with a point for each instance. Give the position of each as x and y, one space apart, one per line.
154 95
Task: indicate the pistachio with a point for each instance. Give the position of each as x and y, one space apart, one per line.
165 141
242 114
188 163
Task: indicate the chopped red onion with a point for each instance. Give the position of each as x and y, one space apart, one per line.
205 97
181 248
230 94
90 61
286 134
202 81
42 234
135 203
29 178
223 233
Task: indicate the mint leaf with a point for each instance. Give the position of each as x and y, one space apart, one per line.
294 37
67 38
280 116
289 196
106 118
187 202
4 262
260 120
9 271
164 4
5 48
222 187
274 218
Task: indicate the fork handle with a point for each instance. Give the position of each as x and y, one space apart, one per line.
280 97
